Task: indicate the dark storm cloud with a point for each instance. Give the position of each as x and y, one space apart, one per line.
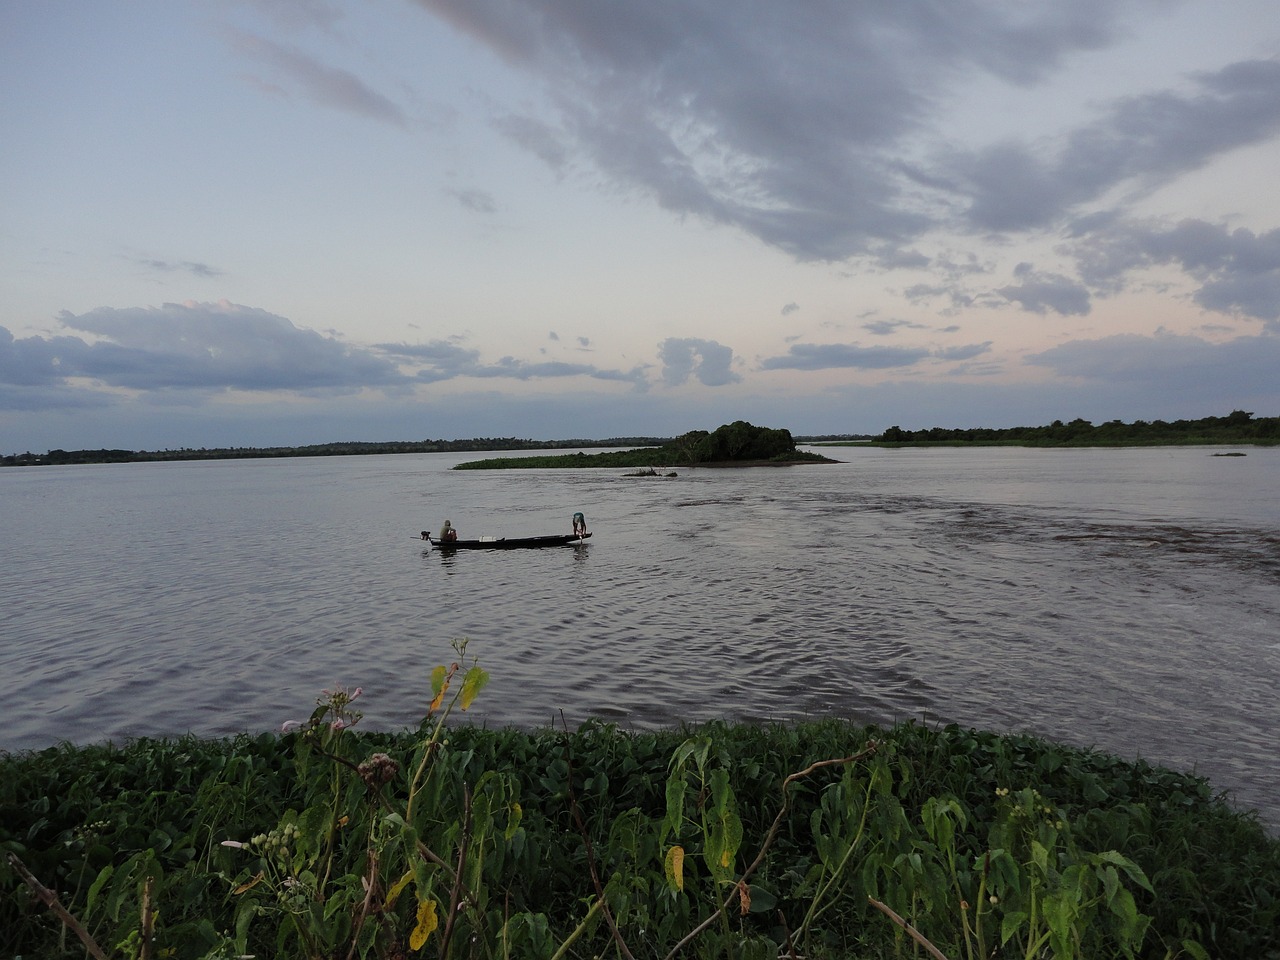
704 108
1041 292
709 362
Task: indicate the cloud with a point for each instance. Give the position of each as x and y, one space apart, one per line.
825 356
711 363
1238 271
789 309
187 266
439 360
480 201
328 86
192 346
1040 292
1148 139
219 345
967 352
298 14
883 328
1197 370
703 112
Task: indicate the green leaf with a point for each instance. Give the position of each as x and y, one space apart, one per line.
675 804
472 684
1010 924
97 885
1134 872
763 900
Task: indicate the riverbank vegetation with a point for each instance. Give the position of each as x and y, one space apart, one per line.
344 449
732 444
734 841
1239 426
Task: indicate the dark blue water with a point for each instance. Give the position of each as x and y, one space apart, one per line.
1124 599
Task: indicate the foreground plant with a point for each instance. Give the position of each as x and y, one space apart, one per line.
418 853
734 842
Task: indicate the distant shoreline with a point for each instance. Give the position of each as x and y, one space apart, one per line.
1238 428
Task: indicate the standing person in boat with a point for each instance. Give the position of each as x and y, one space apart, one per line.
579 525
447 533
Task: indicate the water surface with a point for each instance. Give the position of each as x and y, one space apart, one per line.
1125 599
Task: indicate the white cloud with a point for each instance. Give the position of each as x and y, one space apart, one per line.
709 362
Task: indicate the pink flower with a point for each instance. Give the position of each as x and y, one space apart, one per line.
291 725
233 843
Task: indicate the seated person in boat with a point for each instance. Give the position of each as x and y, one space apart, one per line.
447 533
579 525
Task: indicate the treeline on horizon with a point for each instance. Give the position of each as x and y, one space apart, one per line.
342 449
1237 427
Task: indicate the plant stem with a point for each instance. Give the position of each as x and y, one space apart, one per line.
911 931
50 900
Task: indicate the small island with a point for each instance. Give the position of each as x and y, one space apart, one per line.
737 444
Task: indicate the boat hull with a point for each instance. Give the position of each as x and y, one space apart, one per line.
510 543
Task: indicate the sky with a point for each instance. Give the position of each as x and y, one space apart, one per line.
284 222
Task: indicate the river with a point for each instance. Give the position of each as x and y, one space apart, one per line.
1124 599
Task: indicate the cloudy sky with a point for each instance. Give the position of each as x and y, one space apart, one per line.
296 221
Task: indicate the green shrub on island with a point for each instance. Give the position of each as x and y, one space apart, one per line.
733 443
751 841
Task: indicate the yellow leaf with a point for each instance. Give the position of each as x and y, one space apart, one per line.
674 867
472 684
248 884
427 922
725 857
396 890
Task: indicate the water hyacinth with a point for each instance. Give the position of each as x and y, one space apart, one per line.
744 840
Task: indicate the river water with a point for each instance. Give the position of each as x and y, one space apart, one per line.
1124 599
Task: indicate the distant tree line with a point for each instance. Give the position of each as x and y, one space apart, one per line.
1237 427
346 449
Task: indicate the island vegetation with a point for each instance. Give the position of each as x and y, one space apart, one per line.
1239 426
821 840
732 444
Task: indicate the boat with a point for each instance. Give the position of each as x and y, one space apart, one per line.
508 543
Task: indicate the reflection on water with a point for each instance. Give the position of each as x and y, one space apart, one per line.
1124 599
